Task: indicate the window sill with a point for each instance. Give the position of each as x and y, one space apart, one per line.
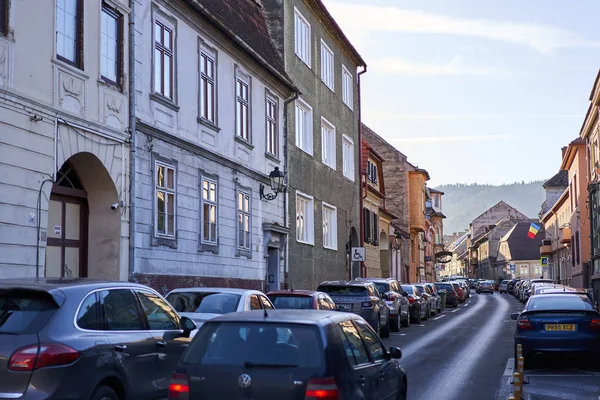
272 157
348 178
208 124
241 252
244 142
306 243
298 147
165 241
301 59
349 107
164 101
327 165
209 247
330 248
71 68
110 85
327 86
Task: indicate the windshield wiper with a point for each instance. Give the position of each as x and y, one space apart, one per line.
249 364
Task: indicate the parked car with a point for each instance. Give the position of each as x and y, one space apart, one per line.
398 304
431 299
361 298
503 288
451 294
558 323
202 304
291 354
485 287
511 285
433 289
559 289
459 290
86 339
465 287
418 304
301 300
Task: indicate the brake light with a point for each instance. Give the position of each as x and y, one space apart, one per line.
179 388
524 323
391 297
322 388
366 304
411 299
595 323
34 357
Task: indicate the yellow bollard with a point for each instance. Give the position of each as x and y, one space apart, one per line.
517 386
521 368
511 398
519 351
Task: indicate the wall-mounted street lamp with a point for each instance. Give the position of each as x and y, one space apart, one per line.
276 182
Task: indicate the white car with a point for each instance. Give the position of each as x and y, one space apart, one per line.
202 304
503 286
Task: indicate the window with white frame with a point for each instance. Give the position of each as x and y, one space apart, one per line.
165 197
164 54
242 107
329 226
209 211
372 171
208 86
328 143
347 87
110 45
327 65
69 21
244 220
304 130
348 157
302 37
304 218
271 126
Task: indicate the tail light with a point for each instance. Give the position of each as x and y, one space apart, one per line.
453 293
411 299
391 297
524 323
595 323
322 389
34 357
179 388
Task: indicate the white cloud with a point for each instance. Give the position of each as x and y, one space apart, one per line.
455 66
543 38
450 139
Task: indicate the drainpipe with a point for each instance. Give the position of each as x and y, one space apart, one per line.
132 132
360 159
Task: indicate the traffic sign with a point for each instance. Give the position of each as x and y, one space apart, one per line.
358 254
512 267
544 261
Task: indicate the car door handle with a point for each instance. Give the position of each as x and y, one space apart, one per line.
120 347
362 381
161 344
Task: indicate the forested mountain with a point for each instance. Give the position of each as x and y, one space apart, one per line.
464 202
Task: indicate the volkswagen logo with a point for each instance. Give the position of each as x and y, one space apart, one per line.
244 380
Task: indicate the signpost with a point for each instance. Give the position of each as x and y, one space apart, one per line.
544 261
512 267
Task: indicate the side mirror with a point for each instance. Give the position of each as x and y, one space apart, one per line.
188 325
405 294
395 352
514 316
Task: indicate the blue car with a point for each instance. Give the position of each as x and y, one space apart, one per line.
557 324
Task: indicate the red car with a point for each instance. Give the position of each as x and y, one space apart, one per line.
301 300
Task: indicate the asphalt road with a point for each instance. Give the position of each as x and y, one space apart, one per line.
462 353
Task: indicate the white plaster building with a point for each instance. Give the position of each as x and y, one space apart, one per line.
63 126
210 130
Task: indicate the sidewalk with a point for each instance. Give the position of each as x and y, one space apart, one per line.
567 384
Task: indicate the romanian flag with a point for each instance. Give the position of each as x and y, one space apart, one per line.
533 230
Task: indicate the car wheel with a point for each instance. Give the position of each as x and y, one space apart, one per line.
406 322
418 319
385 331
395 322
377 327
427 313
402 390
104 392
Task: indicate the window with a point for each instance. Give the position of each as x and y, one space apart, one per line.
110 46
159 314
347 88
209 211
375 219
265 303
436 201
328 143
254 302
165 199
163 59
302 37
329 227
356 351
372 171
120 310
88 316
271 116
524 270
4 11
304 218
374 346
348 157
304 131
242 108
367 224
207 87
69 44
327 63
243 220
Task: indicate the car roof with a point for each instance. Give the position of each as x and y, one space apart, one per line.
215 289
345 283
48 284
301 292
557 295
292 316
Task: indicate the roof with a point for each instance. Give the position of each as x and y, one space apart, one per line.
419 171
435 191
48 284
561 179
570 153
213 289
244 22
345 283
292 316
294 292
521 247
372 150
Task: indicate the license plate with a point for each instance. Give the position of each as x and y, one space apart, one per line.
345 307
560 327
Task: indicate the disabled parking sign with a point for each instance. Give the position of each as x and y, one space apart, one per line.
358 254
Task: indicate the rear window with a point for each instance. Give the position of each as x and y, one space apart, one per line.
408 289
292 302
382 287
343 290
504 282
204 302
560 302
25 312
273 344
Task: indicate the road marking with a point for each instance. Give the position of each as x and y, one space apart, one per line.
421 325
441 316
398 334
458 309
510 367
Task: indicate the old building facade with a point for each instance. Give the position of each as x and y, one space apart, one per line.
417 222
323 143
436 230
64 139
210 131
518 249
556 245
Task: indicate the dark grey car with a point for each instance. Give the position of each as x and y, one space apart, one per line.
86 339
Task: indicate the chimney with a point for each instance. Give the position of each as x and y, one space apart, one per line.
564 150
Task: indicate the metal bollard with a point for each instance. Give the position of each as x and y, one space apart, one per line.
517 386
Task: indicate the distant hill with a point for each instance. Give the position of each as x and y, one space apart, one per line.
464 202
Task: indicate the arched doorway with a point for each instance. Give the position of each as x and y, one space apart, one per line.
384 255
66 247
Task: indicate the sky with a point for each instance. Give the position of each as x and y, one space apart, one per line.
475 91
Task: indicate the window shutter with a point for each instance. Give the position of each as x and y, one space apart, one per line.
367 222
375 230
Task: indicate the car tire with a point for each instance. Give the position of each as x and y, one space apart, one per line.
406 322
418 319
385 330
104 392
395 322
377 327
427 313
402 390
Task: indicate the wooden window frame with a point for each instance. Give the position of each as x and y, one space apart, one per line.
272 125
205 80
159 44
242 103
120 45
4 17
78 62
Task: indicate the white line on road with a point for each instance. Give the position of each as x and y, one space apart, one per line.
458 309
398 334
510 367
441 316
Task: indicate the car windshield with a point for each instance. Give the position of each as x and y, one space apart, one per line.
244 344
382 287
408 289
204 302
340 290
558 303
292 302
25 311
